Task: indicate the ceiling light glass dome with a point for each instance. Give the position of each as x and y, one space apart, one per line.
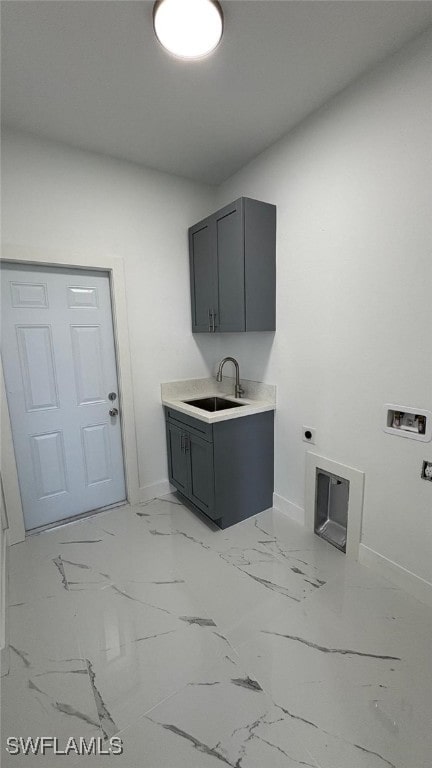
189 29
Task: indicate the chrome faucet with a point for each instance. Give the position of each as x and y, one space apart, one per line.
239 391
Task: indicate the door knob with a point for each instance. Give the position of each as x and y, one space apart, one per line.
113 412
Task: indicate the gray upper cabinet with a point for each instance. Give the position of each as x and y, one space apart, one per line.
233 269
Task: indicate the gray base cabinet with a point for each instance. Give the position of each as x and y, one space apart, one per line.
224 470
233 269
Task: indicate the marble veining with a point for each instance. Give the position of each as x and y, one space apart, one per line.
356 746
22 655
342 651
197 620
108 725
212 751
137 600
77 565
60 567
81 541
260 645
66 709
247 682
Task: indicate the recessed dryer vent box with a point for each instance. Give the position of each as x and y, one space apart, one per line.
405 421
331 508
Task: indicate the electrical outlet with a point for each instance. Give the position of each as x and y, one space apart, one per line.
427 471
308 435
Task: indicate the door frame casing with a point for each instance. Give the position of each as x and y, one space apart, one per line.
114 266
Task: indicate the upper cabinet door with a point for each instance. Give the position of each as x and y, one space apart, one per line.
230 268
203 276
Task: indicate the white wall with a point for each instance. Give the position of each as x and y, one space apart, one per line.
61 199
354 295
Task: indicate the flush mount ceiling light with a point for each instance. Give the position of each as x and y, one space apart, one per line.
189 29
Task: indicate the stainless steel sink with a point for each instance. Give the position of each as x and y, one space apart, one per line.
213 403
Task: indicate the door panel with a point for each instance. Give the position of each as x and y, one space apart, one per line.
79 298
59 366
88 365
29 295
201 481
203 276
97 454
37 367
231 270
177 459
49 464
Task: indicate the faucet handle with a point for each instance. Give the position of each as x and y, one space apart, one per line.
239 390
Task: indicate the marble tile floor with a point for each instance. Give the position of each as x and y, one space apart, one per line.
260 646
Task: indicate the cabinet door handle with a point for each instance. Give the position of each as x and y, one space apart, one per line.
213 320
182 448
186 444
210 320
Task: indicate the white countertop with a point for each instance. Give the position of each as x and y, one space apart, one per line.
173 395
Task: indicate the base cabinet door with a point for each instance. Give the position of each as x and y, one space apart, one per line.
178 460
201 479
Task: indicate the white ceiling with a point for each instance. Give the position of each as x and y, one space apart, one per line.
92 74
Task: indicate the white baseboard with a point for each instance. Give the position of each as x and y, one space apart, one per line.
288 508
388 569
148 492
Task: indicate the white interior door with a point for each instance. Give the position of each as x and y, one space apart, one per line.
60 367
